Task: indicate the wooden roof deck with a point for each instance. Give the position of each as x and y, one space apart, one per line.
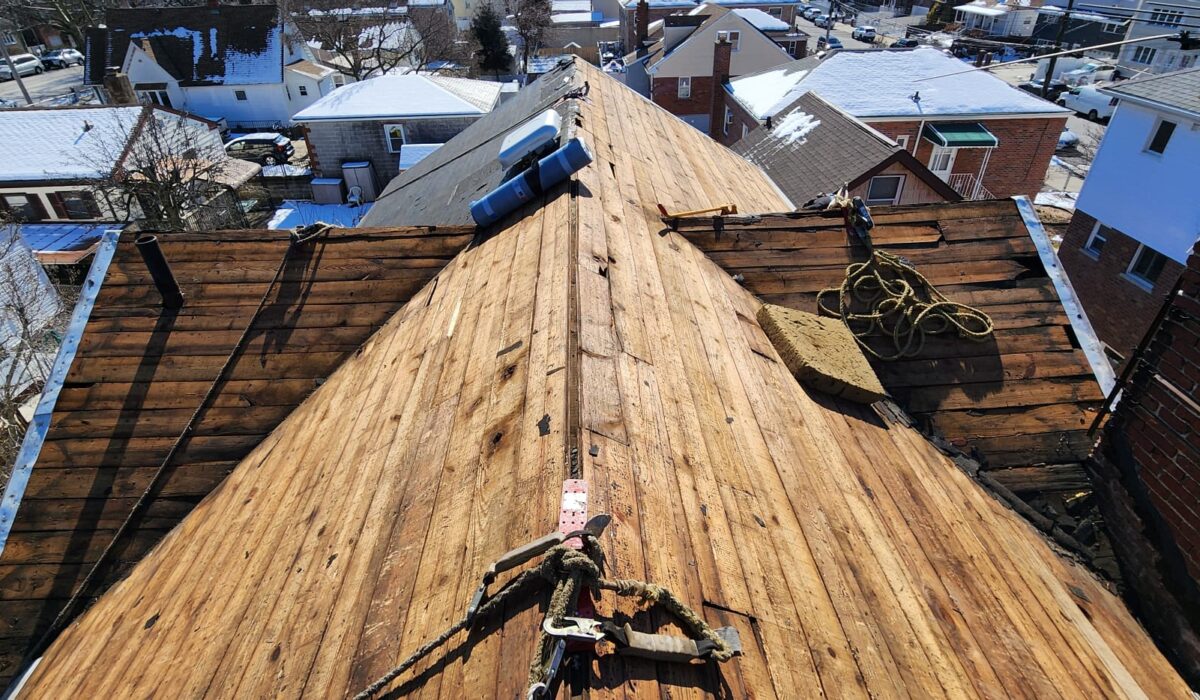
582 340
1025 398
140 372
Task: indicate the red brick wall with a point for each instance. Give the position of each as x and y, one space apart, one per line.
1017 166
1155 430
629 23
1120 310
740 118
665 93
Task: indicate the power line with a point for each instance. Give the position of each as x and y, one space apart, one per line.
1059 53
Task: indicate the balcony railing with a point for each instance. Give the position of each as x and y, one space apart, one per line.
969 186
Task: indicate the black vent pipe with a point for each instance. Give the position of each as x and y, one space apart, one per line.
164 279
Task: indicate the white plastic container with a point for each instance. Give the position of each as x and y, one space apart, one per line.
529 137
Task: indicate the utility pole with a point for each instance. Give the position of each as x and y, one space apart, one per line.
1062 29
13 69
829 24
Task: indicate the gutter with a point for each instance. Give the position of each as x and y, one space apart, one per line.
1150 104
1091 345
387 117
35 435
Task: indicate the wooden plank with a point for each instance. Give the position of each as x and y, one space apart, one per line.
999 423
979 369
215 342
97 452
802 258
1010 394
785 281
1050 478
104 513
145 295
108 396
246 420
201 367
188 479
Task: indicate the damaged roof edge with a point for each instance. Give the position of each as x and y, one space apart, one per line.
35 435
1092 347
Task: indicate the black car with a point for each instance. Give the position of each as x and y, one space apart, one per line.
905 44
1034 87
266 147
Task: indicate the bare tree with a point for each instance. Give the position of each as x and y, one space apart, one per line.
71 17
531 18
165 168
372 41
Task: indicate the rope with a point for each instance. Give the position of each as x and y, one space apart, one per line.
297 239
569 570
887 296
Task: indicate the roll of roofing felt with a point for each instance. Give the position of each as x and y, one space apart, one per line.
548 171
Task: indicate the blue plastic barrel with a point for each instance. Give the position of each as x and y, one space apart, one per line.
550 171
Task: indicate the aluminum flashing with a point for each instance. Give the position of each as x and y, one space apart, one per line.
1066 293
35 436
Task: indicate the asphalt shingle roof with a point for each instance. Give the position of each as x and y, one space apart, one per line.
1180 89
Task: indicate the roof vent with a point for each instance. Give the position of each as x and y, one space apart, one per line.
531 136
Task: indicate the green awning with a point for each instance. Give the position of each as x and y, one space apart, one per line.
960 135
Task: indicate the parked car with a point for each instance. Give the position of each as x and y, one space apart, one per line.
833 43
1034 87
1089 101
265 147
1089 73
823 21
905 44
25 63
864 33
61 58
1067 139
812 13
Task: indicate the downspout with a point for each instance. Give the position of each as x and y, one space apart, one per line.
979 178
917 141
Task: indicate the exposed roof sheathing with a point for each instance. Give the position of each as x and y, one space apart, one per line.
854 558
139 373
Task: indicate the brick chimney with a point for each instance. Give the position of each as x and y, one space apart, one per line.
722 54
118 88
641 23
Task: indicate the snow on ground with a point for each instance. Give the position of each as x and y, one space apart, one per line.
1062 200
296 212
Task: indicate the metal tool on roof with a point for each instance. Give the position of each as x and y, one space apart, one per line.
723 210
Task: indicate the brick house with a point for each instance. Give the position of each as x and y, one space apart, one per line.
650 11
678 72
982 136
815 148
1137 215
374 121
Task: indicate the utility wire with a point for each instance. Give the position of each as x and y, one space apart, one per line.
1068 52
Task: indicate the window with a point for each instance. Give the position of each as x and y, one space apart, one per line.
22 207
1162 134
941 161
903 141
395 136
240 95
744 131
1144 55
1187 61
74 205
885 189
1095 242
1166 18
1113 27
339 80
734 38
304 91
154 97
685 88
728 119
1147 265
775 11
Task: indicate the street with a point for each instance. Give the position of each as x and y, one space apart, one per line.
52 83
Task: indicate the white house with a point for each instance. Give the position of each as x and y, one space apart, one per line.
1007 18
242 63
55 163
1160 55
1138 216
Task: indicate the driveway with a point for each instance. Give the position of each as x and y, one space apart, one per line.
52 83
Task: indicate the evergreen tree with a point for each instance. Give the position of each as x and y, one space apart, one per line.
493 45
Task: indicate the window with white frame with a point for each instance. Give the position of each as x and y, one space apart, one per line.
728 119
303 90
885 189
1112 27
733 37
775 11
903 141
240 95
1146 267
395 136
1144 55
154 97
1095 242
684 91
744 131
1166 18
1162 135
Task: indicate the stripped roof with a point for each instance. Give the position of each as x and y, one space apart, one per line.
813 148
581 338
404 96
223 45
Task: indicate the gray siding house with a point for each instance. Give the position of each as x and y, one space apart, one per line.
374 121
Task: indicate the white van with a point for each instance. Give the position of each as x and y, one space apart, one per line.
1089 101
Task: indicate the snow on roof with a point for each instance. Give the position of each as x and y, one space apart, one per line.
1081 16
400 96
312 70
979 8
762 20
883 83
795 127
219 59
413 153
63 144
571 6
662 3
295 213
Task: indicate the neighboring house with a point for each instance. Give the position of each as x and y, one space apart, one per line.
1160 55
1138 215
237 62
35 39
371 121
991 18
972 129
813 148
1083 29
634 12
686 64
59 164
791 39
